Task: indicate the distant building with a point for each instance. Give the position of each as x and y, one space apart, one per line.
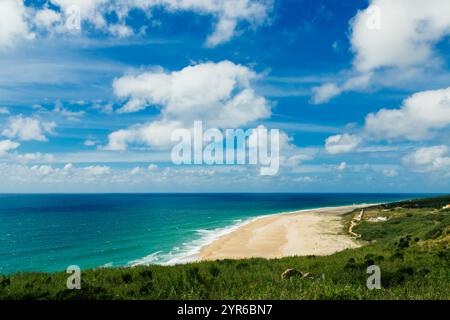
377 219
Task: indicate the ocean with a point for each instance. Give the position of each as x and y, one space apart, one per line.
50 232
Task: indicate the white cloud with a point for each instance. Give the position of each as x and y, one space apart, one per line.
357 82
97 170
71 115
342 143
42 170
325 92
47 18
155 134
4 110
16 19
86 174
120 30
103 108
13 23
26 129
408 30
224 31
90 143
34 157
135 170
394 38
152 167
305 179
71 178
7 145
228 14
90 10
427 159
419 118
298 159
342 166
220 93
416 119
390 173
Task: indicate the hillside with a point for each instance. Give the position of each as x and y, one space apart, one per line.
408 240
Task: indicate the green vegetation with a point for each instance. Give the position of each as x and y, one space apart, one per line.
411 247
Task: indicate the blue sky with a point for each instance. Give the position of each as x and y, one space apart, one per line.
359 89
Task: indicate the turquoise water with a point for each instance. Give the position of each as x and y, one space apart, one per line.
51 232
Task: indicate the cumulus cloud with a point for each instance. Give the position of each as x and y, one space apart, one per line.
47 19
13 23
90 10
78 178
228 14
398 35
435 158
7 145
17 17
418 116
69 171
156 134
97 170
342 143
120 30
42 170
26 129
219 94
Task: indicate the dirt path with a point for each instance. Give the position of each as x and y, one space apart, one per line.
355 221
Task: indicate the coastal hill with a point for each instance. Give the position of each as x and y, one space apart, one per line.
408 241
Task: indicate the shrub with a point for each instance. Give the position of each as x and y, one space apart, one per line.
127 278
397 256
214 271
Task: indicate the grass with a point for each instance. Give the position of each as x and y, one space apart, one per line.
411 247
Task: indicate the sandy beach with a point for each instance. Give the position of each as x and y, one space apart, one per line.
306 232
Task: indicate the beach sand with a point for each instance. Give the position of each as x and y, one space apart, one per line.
307 232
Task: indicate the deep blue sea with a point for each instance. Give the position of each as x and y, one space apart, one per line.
51 232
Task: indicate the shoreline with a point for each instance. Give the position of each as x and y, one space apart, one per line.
193 254
302 232
192 251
